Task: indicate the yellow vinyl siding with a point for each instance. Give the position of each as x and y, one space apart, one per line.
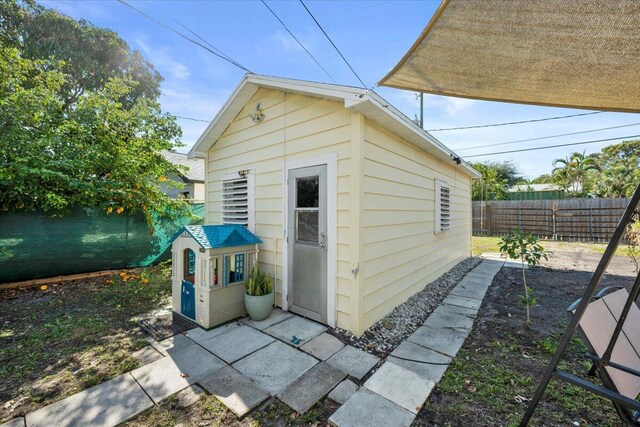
310 126
401 253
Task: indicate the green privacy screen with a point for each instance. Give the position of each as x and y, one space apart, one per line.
35 245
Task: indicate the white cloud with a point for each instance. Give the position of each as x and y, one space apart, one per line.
159 56
449 104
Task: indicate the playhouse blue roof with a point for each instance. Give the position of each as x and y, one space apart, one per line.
220 236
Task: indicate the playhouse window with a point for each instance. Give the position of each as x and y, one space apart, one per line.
215 272
234 268
189 265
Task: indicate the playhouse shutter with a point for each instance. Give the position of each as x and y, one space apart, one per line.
236 200
443 206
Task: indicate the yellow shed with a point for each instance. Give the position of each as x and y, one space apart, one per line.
357 207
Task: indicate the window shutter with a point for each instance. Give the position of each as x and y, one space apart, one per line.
443 207
237 200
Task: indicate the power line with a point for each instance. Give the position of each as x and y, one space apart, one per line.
192 119
173 30
548 137
516 123
332 43
296 39
553 146
210 45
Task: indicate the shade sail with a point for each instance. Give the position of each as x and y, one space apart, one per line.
566 53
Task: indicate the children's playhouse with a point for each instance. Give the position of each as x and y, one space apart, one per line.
210 266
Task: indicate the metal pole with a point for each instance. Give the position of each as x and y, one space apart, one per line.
421 110
584 302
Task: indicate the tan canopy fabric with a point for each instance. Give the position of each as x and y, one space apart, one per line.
566 53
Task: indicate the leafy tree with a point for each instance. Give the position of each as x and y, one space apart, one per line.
543 179
620 169
572 172
497 177
524 247
78 130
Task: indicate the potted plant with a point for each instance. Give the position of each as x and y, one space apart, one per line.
258 298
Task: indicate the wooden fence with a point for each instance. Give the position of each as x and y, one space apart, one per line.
591 220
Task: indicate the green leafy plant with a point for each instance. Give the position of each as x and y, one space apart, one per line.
259 283
633 242
525 247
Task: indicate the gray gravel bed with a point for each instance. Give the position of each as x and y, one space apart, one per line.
387 333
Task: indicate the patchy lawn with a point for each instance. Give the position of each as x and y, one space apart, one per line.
63 338
502 361
481 244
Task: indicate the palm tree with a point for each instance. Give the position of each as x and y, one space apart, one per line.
574 170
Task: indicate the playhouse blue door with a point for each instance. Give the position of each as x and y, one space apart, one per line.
188 300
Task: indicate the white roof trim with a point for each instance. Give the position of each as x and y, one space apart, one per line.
367 102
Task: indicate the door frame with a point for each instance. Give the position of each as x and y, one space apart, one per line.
330 160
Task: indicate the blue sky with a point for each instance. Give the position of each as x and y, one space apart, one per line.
373 36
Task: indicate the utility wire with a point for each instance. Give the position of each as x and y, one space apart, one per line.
516 123
162 24
548 137
191 118
332 43
553 146
296 39
210 45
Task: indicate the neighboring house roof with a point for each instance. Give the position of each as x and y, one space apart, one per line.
534 187
219 236
357 99
196 166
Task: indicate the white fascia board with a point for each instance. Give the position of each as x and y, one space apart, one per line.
379 111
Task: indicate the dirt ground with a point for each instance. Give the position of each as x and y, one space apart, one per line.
501 362
584 257
62 338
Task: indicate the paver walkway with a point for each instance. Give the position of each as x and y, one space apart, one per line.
394 394
289 357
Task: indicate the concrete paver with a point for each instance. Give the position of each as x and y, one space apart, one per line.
441 318
343 391
401 386
199 335
16 422
296 330
312 386
189 396
147 354
234 390
172 344
106 404
368 409
470 312
275 366
353 361
443 340
236 344
179 370
323 346
463 301
276 316
427 363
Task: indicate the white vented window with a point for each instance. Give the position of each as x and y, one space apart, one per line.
443 206
237 199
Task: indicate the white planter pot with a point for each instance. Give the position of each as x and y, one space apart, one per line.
259 308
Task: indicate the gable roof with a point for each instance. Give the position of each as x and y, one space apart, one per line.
364 101
219 236
195 165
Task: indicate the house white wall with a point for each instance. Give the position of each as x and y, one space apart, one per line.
386 246
294 127
401 251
